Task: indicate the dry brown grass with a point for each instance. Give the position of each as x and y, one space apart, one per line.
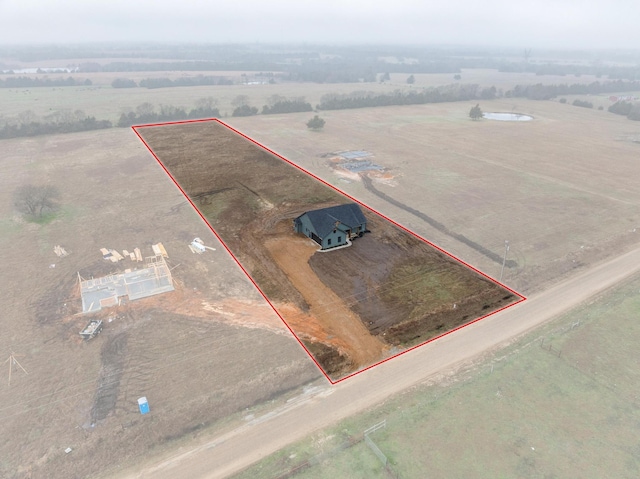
561 188
200 354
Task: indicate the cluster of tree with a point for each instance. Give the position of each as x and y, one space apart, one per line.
280 104
124 83
36 128
625 108
181 66
27 82
199 80
146 113
331 74
475 113
546 92
316 123
245 110
582 103
152 83
613 72
449 93
242 107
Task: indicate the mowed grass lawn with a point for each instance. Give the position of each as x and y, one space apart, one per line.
573 411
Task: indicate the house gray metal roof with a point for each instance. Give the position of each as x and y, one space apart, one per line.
324 220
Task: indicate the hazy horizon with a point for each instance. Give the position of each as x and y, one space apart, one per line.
553 25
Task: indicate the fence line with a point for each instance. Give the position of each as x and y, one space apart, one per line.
376 450
375 427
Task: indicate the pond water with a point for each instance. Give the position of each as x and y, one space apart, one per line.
507 116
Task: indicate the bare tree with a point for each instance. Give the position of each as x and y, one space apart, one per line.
240 101
206 103
273 99
145 108
36 200
26 117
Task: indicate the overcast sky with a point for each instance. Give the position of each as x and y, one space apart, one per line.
541 23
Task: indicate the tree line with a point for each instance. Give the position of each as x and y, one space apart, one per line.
147 113
547 92
448 93
316 61
66 121
48 127
363 68
151 83
28 82
280 104
357 69
626 108
613 72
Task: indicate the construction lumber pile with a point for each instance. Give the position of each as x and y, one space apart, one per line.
135 255
60 251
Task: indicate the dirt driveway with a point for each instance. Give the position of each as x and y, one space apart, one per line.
292 255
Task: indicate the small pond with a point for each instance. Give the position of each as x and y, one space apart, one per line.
507 116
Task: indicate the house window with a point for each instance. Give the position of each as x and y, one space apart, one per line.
339 239
329 242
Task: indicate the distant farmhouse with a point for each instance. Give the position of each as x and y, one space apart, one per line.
332 227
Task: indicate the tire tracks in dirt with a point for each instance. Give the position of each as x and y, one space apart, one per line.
112 355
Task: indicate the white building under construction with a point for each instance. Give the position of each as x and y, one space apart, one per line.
154 278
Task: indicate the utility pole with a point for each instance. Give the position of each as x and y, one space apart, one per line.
504 260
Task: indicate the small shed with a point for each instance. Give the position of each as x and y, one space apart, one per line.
332 227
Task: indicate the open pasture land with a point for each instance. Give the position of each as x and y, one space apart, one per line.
389 289
561 189
200 354
560 402
104 102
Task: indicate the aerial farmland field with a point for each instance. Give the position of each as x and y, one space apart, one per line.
212 356
560 189
194 352
387 291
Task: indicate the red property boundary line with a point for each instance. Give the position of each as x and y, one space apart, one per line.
522 298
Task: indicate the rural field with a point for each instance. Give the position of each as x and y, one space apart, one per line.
561 188
105 102
212 355
560 402
200 354
351 307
